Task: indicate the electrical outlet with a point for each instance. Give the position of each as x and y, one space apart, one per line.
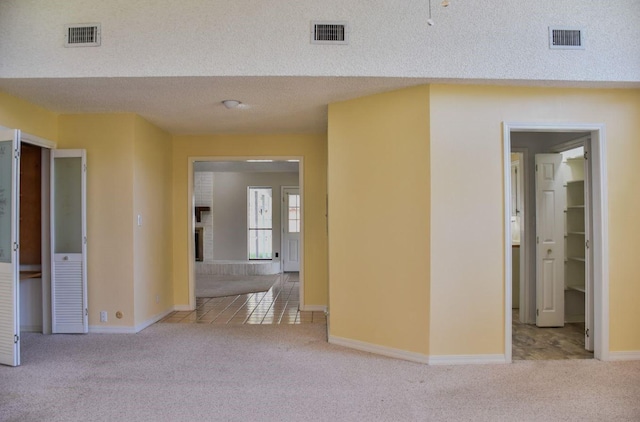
103 316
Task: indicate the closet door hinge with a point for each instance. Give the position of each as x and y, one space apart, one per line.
16 153
537 239
16 339
86 312
537 312
586 244
586 155
586 332
16 246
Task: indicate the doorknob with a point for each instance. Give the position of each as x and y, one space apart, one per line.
549 251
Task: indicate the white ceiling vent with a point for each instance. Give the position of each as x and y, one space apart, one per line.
566 38
82 35
325 32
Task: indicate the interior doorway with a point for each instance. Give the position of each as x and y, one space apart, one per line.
572 286
237 205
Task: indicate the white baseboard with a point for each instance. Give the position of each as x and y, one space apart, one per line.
314 308
630 355
379 350
106 329
182 308
466 359
110 329
152 320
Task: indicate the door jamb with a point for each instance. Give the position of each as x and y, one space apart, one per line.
524 256
600 235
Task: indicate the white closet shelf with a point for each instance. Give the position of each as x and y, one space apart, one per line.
576 288
576 258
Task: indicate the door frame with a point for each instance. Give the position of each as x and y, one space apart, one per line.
600 234
191 257
284 220
45 189
524 261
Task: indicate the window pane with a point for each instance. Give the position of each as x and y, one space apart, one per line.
260 208
6 183
260 244
294 213
260 223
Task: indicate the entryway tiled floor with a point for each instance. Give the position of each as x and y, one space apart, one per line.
279 305
534 343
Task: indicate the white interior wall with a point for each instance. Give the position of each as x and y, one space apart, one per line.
491 39
230 210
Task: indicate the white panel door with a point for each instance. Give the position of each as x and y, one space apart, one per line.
9 255
291 225
550 206
68 242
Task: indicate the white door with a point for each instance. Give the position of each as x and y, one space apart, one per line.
9 256
588 265
291 224
550 206
68 242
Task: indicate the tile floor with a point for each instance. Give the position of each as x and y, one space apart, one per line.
279 305
534 343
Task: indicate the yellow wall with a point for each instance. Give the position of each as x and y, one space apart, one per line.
109 141
16 113
379 205
152 240
314 151
467 271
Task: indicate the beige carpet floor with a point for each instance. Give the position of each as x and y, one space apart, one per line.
192 372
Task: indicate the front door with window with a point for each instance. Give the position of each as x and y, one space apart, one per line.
291 229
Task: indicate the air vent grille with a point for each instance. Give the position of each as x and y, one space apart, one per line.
82 35
564 38
329 33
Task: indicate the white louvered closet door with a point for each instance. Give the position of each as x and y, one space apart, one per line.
68 242
9 255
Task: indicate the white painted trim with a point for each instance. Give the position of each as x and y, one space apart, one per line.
110 329
524 256
600 218
152 320
507 242
379 350
191 221
36 140
468 359
622 356
183 308
313 308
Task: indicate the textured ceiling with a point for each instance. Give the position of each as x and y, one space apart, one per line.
192 105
